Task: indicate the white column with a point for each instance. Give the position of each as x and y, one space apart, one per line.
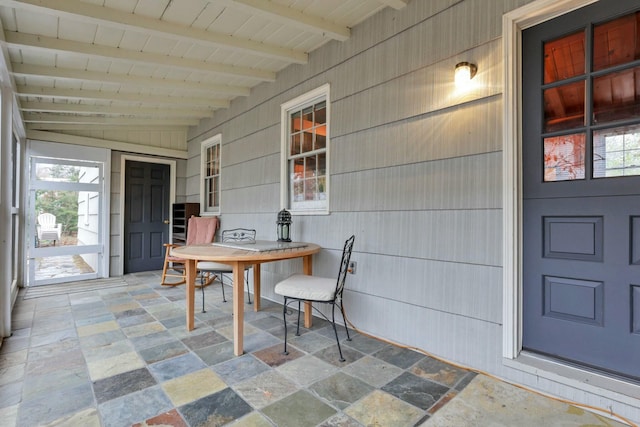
6 191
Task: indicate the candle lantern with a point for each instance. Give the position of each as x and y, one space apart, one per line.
284 226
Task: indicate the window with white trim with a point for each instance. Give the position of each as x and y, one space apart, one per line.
305 153
210 176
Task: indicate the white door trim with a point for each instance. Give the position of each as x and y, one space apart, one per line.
172 195
513 23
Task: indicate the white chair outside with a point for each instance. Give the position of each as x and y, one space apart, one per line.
314 289
47 229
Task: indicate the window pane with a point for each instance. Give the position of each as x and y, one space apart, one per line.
616 152
564 58
322 164
616 42
320 113
321 137
295 144
564 157
307 142
64 172
307 118
564 107
296 126
616 96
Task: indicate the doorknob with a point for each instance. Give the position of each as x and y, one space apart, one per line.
166 221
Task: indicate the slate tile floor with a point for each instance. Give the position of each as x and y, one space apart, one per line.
123 357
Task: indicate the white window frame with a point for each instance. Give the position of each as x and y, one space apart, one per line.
205 209
318 207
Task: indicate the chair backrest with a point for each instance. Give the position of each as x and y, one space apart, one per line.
47 220
239 235
202 229
344 266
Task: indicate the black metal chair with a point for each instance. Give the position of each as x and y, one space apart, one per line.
314 289
219 269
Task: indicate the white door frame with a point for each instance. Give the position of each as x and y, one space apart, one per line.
172 194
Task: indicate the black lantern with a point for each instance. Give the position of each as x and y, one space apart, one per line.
284 226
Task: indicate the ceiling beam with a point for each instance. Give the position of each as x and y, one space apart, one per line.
396 4
84 12
40 91
137 81
33 133
50 107
101 127
49 118
34 41
291 16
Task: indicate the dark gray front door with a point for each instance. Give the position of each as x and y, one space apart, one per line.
581 187
146 209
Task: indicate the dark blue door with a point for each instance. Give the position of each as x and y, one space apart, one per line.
146 215
581 187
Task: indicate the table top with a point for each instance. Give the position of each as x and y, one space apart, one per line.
217 253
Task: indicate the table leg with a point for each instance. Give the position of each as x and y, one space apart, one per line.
256 287
190 267
307 268
238 308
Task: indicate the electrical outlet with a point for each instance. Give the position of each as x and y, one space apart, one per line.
352 267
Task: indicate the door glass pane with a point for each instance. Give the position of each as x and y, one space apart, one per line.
616 152
56 172
564 107
564 157
616 96
616 42
564 57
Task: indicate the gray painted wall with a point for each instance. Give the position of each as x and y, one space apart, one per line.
416 174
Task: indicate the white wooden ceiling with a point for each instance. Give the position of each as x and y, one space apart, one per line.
143 64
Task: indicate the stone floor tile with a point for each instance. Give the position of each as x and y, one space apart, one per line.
239 368
341 390
215 410
309 342
401 357
373 371
217 353
12 373
340 420
306 370
86 418
253 419
440 372
44 409
364 344
92 354
172 368
258 341
416 390
119 385
382 409
97 328
331 355
168 419
111 366
274 357
100 340
53 337
265 388
134 408
35 386
152 340
9 415
10 394
136 320
143 329
163 351
206 339
299 409
191 387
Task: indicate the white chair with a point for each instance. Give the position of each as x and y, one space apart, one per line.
219 269
47 229
314 289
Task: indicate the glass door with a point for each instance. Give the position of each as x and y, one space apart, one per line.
65 228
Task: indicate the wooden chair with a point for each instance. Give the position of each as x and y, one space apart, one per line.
47 229
200 230
302 287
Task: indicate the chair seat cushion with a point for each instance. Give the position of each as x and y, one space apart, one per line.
172 258
304 287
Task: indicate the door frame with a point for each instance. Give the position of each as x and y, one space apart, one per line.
513 23
172 195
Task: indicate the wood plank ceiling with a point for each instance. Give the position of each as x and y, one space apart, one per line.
82 65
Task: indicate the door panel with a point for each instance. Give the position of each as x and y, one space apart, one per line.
581 190
146 208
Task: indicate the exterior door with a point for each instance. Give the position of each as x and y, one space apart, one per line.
146 225
581 187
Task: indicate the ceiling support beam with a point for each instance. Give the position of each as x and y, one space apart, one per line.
39 91
102 120
294 17
396 4
83 11
114 110
34 41
136 81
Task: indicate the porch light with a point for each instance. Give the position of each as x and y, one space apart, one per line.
464 73
284 226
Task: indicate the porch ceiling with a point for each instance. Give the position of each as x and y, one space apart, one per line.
84 65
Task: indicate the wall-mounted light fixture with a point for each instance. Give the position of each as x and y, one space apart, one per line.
464 73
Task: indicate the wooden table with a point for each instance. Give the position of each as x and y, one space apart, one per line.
238 259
